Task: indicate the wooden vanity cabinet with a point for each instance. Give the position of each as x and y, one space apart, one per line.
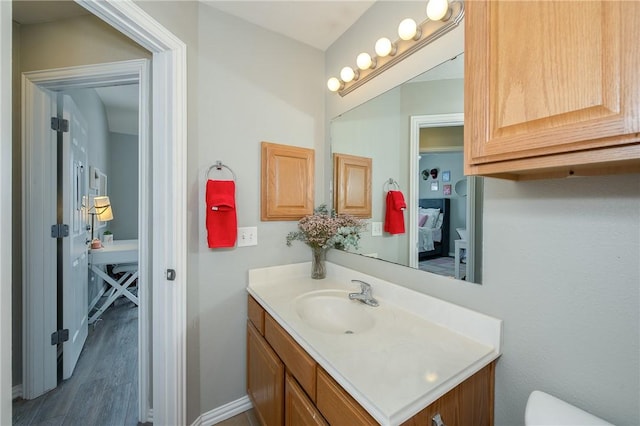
287 387
552 88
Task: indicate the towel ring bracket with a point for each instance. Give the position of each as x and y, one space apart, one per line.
219 166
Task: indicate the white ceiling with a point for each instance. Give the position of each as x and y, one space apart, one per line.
313 22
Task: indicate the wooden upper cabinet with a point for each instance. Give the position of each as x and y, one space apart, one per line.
287 183
552 88
352 181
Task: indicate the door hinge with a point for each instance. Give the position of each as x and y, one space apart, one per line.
59 124
59 336
59 230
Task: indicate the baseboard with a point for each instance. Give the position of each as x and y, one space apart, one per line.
16 392
224 412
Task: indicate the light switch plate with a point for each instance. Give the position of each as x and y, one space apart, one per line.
248 236
376 229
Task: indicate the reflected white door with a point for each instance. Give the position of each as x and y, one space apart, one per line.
74 248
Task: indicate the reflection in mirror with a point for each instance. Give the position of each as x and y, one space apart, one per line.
414 136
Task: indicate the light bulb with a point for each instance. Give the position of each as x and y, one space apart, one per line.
334 84
437 9
347 74
365 61
408 29
385 47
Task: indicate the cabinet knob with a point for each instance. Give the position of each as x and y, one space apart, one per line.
436 420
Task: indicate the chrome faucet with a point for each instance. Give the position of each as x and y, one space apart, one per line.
365 295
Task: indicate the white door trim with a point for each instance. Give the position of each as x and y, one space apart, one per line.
5 211
168 237
436 120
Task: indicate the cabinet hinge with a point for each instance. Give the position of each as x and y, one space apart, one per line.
59 336
59 230
59 124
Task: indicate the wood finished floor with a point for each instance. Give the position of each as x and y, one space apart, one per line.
104 387
248 418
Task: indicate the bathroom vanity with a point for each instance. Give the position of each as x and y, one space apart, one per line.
315 357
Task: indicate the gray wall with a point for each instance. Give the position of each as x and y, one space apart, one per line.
245 85
123 185
561 265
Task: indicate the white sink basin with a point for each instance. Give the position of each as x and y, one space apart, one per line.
331 311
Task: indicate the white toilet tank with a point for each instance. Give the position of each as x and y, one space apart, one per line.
544 409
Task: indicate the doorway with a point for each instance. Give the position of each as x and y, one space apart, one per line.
168 212
39 359
440 120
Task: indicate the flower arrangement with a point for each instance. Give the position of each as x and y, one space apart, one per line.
326 229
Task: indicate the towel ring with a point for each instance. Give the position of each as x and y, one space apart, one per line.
391 184
220 166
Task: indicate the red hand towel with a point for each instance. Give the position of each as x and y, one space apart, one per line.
394 217
222 223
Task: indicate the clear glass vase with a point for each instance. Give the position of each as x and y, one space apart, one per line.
318 266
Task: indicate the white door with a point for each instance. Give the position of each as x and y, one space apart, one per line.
40 270
74 247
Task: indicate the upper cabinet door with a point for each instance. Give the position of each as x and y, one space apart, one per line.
552 88
352 180
287 182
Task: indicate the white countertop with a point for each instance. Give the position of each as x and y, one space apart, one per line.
419 348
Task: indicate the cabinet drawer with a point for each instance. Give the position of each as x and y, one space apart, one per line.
256 314
337 406
298 362
298 408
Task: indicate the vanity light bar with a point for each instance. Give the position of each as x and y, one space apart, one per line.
426 32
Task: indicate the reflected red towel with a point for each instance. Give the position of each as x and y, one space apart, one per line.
394 217
222 223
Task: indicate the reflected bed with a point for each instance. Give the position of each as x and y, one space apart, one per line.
433 237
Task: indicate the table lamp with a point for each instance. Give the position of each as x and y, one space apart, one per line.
102 209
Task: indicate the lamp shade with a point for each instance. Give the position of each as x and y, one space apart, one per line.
102 207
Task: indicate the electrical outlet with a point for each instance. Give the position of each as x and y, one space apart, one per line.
248 236
376 229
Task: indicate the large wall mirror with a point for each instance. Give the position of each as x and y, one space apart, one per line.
414 137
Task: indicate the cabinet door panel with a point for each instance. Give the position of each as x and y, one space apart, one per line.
298 408
287 182
545 78
337 406
265 379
